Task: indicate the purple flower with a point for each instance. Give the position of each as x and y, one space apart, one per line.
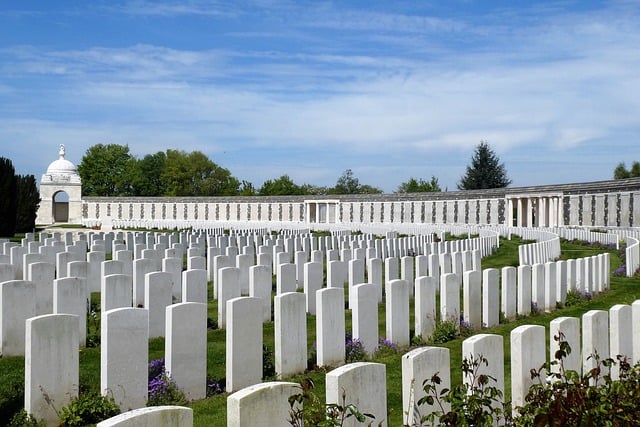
354 349
620 271
156 367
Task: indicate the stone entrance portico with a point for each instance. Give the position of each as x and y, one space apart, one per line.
61 177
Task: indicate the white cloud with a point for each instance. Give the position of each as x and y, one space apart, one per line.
557 85
185 7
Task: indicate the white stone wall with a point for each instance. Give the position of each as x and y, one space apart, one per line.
599 210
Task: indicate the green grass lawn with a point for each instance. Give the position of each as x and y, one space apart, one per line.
212 411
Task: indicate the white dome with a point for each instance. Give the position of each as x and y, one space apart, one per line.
61 166
61 170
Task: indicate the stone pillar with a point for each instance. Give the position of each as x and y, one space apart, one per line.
508 220
520 213
541 214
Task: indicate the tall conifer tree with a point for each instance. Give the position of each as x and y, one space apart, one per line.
485 170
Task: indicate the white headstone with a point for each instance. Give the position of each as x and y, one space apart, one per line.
124 355
565 329
528 346
244 342
290 327
186 347
70 297
157 297
267 402
365 386
419 365
330 327
620 336
365 316
17 303
472 298
117 291
397 312
490 297
194 286
595 338
42 274
51 365
450 298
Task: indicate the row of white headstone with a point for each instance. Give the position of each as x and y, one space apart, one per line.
481 303
52 362
118 289
612 333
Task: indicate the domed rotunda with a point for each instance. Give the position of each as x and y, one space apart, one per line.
60 193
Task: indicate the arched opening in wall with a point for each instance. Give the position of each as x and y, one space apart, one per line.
61 207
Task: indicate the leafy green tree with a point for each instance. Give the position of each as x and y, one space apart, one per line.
8 199
368 189
485 170
147 175
28 200
194 174
107 170
246 189
419 186
347 183
621 172
314 190
283 186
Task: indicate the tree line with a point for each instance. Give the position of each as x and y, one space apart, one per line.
111 170
19 200
621 171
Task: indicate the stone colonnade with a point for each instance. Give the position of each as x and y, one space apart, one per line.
544 209
534 210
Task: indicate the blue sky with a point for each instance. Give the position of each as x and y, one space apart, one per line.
389 89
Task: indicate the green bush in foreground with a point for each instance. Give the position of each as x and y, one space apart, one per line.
566 398
88 408
561 398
